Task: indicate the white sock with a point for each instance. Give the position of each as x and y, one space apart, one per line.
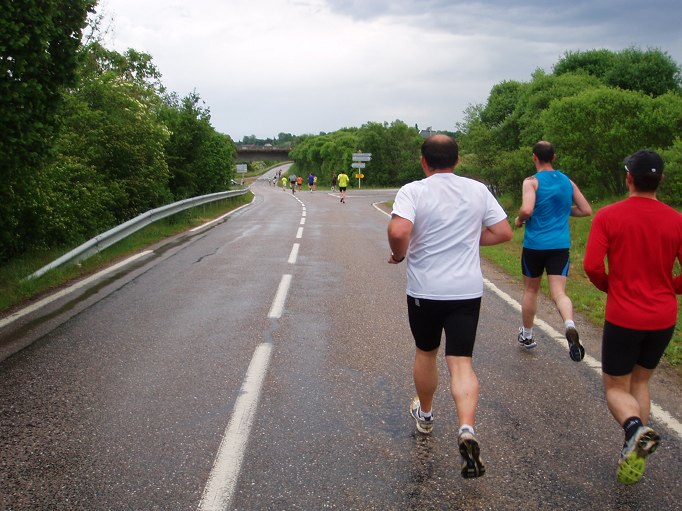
425 415
568 324
527 332
466 427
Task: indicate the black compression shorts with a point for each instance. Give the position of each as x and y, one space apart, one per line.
623 348
535 262
458 318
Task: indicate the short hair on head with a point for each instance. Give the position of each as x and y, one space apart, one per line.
646 169
647 182
440 151
544 151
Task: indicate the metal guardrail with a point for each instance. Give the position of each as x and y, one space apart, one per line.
108 238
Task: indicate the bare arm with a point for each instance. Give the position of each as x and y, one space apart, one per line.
399 232
580 205
496 234
530 186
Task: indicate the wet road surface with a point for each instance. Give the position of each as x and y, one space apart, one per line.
123 398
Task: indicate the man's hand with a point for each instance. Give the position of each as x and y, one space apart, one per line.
394 260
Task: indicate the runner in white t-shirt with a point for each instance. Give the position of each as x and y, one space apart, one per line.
439 223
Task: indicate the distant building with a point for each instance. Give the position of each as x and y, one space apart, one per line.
427 132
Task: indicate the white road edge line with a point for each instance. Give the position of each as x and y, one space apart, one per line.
31 308
280 297
657 412
294 253
222 480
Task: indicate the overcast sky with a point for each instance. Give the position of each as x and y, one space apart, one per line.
304 66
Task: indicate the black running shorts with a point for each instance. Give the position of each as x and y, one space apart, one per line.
458 318
535 262
622 348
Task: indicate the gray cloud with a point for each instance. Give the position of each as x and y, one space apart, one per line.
305 66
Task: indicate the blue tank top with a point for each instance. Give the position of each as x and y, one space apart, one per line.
547 228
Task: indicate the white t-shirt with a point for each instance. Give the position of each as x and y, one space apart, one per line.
447 212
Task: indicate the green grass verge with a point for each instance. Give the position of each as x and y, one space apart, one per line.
15 289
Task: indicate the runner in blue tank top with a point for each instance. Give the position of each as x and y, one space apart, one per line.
549 198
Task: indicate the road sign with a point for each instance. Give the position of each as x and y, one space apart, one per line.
362 156
241 168
359 176
357 165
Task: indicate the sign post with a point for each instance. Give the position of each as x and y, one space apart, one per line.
241 169
359 160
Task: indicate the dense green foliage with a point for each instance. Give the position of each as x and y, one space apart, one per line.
38 58
91 137
596 107
196 153
394 148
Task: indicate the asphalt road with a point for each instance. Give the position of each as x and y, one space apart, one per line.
184 380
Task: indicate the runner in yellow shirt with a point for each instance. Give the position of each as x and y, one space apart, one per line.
342 181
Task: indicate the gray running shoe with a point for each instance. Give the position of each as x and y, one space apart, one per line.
472 464
633 456
575 349
529 344
424 425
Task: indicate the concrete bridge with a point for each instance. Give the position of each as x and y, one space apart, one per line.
246 153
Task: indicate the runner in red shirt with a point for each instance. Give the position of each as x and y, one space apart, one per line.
640 237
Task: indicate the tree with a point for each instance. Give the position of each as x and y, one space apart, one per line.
38 59
595 130
597 63
652 71
200 160
670 190
501 103
395 152
537 97
107 127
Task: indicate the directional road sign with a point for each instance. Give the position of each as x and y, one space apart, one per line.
362 156
357 165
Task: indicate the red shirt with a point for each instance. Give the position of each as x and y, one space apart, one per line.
641 238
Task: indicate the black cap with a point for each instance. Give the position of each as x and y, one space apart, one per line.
644 162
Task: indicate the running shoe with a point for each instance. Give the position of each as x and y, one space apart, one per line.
472 465
424 425
575 349
529 343
633 456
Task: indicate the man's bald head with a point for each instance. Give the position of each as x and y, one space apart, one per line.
440 152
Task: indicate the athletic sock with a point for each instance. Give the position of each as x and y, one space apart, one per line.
527 332
630 426
569 324
425 415
466 427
